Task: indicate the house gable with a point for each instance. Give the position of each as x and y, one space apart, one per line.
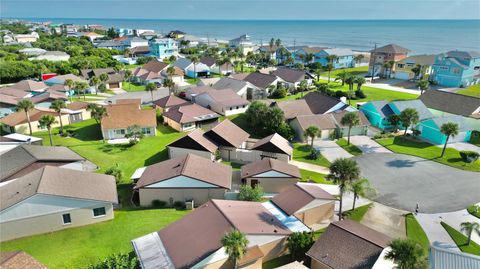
181 182
188 143
271 173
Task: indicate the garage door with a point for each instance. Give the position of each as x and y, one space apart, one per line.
114 85
402 75
325 134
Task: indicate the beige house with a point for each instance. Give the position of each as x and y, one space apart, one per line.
167 102
195 143
52 198
125 114
272 175
188 117
185 178
77 111
264 225
17 122
307 202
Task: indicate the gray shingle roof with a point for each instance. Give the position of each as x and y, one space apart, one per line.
182 63
454 103
383 108
462 124
290 75
230 83
260 80
463 54
339 52
418 105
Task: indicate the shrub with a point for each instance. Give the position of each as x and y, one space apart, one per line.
314 154
416 132
116 172
179 205
469 156
339 94
158 203
286 131
159 117
247 193
299 243
278 93
360 94
384 135
117 261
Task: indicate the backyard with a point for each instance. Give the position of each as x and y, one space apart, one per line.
409 146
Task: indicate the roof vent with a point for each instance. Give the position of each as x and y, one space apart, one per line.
275 231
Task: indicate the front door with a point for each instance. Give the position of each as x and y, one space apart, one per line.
253 183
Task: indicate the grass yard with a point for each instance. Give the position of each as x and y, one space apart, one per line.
192 81
415 232
246 69
428 151
474 210
473 90
475 138
79 247
132 87
296 96
235 166
132 66
301 152
358 213
352 149
461 240
373 93
308 176
87 142
354 71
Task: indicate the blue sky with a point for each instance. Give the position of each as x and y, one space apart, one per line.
244 9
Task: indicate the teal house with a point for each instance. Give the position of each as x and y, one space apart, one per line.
457 68
345 57
162 48
430 130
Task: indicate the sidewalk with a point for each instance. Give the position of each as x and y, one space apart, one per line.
435 231
311 167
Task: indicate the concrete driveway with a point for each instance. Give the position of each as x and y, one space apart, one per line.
403 181
367 145
463 146
330 150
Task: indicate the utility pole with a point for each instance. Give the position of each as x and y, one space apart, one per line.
373 61
208 40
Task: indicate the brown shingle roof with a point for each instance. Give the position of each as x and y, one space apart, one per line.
29 85
126 115
57 181
392 48
189 113
208 61
189 165
77 105
20 117
195 140
322 121
227 133
269 164
19 260
169 101
274 143
290 75
260 80
347 244
339 115
13 92
294 108
299 195
320 103
155 66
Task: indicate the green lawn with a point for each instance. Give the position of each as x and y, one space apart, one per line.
461 240
403 145
132 87
235 166
246 69
301 152
471 91
313 176
474 210
373 93
296 96
241 121
475 138
87 142
79 247
354 71
132 66
358 213
352 149
192 81
415 232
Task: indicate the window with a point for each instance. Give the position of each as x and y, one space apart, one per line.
120 131
146 130
400 65
100 211
456 71
443 67
66 219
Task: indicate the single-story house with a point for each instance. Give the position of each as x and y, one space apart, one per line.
155 71
23 159
272 175
238 86
230 139
265 226
18 260
184 178
20 139
53 198
28 85
17 122
194 142
292 77
430 130
189 117
192 70
224 69
342 130
123 115
77 111
225 102
307 202
442 103
261 83
192 92
423 112
274 146
167 102
348 244
114 79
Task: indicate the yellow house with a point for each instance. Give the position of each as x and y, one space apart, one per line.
404 67
17 122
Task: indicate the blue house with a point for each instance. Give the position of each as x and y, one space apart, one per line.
163 48
191 70
430 130
344 57
457 68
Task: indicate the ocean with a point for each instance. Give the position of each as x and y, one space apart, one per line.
421 36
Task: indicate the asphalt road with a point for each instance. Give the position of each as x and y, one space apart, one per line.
402 181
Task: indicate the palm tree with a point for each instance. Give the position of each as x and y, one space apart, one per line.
350 119
127 52
343 172
312 131
394 120
406 253
57 105
329 68
358 58
26 105
409 116
69 83
46 121
98 112
361 188
423 85
343 77
94 81
81 86
169 84
350 80
448 129
151 87
416 71
235 244
194 59
309 57
170 71
303 87
468 228
104 77
127 75
360 81
318 73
